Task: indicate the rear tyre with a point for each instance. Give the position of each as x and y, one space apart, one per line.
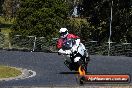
81 80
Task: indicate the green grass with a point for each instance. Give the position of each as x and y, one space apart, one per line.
6 72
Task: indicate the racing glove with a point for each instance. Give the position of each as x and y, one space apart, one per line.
61 51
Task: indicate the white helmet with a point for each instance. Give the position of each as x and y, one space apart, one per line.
63 32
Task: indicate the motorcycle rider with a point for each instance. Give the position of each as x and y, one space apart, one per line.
64 35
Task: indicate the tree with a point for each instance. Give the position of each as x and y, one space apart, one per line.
1 3
98 12
7 8
41 17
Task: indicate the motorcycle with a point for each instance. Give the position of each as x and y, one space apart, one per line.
76 56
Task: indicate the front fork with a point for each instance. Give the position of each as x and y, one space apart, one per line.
83 64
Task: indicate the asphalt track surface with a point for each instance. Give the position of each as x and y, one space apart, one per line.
52 72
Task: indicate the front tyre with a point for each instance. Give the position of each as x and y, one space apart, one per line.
83 64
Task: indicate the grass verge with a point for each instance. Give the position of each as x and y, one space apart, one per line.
7 72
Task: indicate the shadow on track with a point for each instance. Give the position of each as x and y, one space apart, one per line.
71 73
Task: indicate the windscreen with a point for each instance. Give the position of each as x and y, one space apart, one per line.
68 44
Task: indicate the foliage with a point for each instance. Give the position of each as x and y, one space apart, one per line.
41 17
80 27
99 13
44 18
7 8
1 2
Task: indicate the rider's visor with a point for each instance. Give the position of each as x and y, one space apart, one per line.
63 33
